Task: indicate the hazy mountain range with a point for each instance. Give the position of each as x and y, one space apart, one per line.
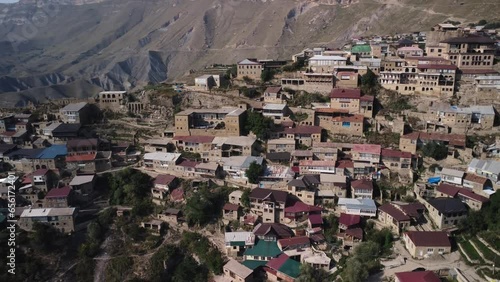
53 49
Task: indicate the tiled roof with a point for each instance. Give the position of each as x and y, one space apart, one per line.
394 212
417 276
429 238
58 192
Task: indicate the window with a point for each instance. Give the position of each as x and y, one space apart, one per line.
346 124
430 250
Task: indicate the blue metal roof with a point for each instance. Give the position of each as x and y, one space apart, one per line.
53 152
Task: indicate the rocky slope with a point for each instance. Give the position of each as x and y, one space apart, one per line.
120 44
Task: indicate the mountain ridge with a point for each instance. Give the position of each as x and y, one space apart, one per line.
128 43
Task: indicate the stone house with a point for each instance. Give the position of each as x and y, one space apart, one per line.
424 244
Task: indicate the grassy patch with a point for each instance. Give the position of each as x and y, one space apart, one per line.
470 251
488 254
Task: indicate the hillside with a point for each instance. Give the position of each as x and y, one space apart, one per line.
120 44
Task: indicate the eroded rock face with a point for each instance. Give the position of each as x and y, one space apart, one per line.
122 44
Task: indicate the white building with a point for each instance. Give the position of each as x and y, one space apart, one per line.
322 63
362 207
207 81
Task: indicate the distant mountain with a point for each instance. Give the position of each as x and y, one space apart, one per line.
121 44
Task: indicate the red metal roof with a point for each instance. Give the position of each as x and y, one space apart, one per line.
349 219
188 163
273 89
394 212
230 207
355 232
475 178
301 240
177 195
315 219
164 179
429 238
81 158
367 148
304 129
276 263
58 192
299 206
390 153
471 195
362 184
448 189
345 93
418 276
345 164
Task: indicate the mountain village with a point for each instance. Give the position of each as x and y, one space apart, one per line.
378 161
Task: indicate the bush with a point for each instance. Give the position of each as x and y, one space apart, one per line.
435 150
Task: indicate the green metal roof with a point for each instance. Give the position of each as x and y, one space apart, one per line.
291 268
253 264
237 243
361 49
264 249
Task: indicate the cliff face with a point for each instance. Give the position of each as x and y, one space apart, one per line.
121 44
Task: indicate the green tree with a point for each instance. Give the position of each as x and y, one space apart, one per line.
258 124
355 271
435 150
253 172
44 236
369 83
205 206
267 75
482 22
245 198
309 274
